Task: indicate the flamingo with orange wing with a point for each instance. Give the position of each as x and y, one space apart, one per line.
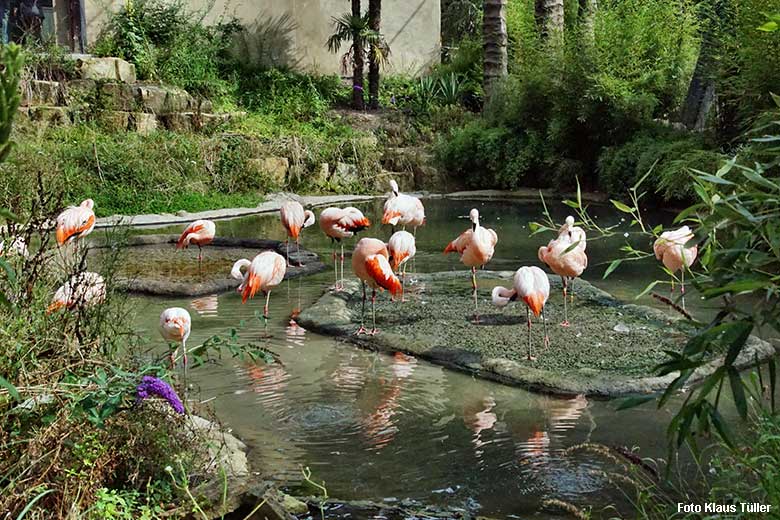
370 264
294 219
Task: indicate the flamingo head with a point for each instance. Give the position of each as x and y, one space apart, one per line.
394 186
88 203
474 217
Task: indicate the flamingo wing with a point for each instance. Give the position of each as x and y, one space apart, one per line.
379 269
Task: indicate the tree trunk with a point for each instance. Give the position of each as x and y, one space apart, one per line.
494 42
549 18
586 15
358 102
374 23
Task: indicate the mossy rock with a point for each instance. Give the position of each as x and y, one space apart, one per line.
154 266
610 349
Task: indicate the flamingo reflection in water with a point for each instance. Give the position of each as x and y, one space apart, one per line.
484 419
563 415
206 305
379 427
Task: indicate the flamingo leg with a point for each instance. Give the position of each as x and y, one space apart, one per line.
172 357
362 329
565 322
265 307
298 251
474 288
528 321
342 266
544 326
374 330
287 251
335 266
403 282
184 354
200 258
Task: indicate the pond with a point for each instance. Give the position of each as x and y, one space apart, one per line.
381 427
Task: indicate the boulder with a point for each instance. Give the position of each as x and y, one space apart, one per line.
151 98
36 92
116 96
143 123
79 92
177 122
178 100
50 115
209 122
113 120
105 69
345 174
274 167
321 174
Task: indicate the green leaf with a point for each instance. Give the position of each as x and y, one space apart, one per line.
612 266
738 391
633 401
647 289
721 427
12 391
9 215
770 26
706 177
621 207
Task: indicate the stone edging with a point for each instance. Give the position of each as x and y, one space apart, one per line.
584 381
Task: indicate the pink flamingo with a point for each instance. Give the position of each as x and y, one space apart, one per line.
476 247
403 209
175 327
75 222
566 257
80 291
294 219
200 233
339 224
670 249
263 273
531 285
370 264
401 248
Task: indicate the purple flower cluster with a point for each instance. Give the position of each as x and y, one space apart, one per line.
154 386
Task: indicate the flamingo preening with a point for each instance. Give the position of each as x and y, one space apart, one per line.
670 248
403 209
75 222
531 285
294 219
476 247
175 327
566 257
401 248
200 233
370 264
81 290
338 224
263 273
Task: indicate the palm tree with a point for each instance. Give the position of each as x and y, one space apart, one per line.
494 41
365 41
549 17
374 54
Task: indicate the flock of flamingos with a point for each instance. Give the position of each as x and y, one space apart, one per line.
376 263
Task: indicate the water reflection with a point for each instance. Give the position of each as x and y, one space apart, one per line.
206 306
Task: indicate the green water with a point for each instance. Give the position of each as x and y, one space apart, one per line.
381 427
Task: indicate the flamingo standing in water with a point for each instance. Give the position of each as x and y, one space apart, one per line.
80 291
75 222
531 285
200 233
294 219
670 249
403 209
370 264
476 247
401 249
263 273
175 327
338 224
566 257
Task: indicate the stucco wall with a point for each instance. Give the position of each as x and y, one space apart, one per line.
294 32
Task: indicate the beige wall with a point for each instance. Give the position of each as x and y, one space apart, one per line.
294 32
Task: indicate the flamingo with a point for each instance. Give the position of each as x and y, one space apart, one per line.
81 290
401 249
476 247
75 222
339 224
294 218
263 273
370 264
403 209
175 327
17 246
670 249
200 233
566 257
532 286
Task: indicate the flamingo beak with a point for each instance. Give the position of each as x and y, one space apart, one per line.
54 306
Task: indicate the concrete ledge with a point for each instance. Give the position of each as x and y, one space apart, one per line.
610 349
